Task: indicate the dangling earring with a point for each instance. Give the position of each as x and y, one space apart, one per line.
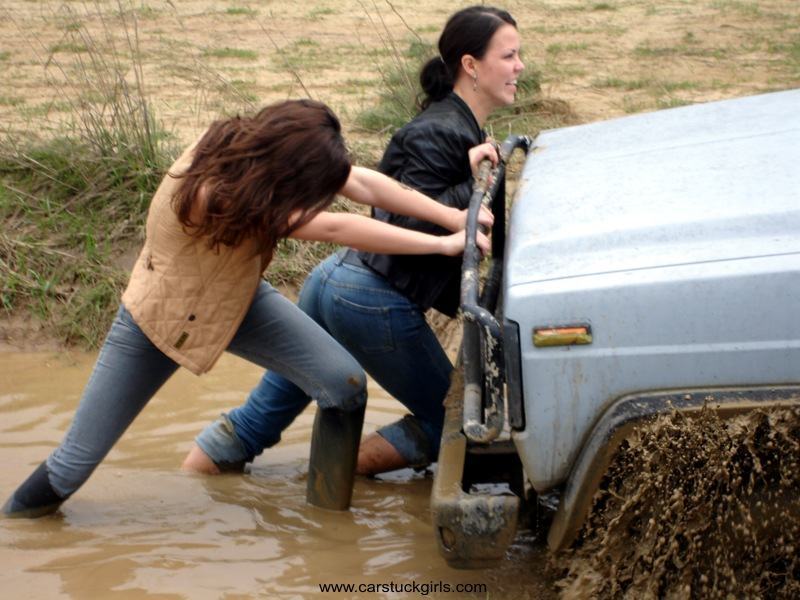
474 82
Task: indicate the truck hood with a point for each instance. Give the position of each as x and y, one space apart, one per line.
682 186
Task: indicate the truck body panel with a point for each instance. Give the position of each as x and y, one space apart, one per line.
675 237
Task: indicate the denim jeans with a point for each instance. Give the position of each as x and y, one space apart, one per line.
385 332
130 369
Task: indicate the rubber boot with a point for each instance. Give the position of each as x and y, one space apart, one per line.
34 498
332 463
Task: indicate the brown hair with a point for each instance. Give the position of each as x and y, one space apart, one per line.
255 172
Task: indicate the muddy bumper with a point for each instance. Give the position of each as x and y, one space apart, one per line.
473 530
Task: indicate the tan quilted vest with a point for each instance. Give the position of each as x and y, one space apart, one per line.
188 299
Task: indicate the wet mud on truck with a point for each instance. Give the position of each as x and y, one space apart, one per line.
649 269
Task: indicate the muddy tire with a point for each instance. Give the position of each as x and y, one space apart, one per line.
696 508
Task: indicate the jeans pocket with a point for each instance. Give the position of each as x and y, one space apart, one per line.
369 328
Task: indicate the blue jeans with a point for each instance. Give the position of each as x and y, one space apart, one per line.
385 332
130 369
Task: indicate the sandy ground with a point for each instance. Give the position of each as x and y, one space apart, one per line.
199 59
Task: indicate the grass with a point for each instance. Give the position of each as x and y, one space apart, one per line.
571 47
69 202
73 26
245 90
226 52
645 84
241 11
147 12
663 103
11 101
750 9
399 92
621 84
789 51
68 47
318 13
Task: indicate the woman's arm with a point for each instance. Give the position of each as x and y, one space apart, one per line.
375 189
371 235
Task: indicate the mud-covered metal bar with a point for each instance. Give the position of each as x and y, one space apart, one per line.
482 349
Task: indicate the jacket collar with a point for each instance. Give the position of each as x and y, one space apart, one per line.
464 109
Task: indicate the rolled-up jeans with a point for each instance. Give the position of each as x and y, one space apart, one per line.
129 370
385 332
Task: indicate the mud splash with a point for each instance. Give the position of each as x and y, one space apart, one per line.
695 508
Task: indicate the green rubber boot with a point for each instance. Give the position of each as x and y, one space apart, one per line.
334 453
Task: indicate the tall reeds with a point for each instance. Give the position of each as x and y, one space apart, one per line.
74 200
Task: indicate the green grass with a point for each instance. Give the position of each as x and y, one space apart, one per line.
226 52
243 90
68 47
43 109
647 51
241 11
399 92
789 51
559 48
11 100
672 86
305 54
148 12
632 105
750 9
318 13
663 103
621 84
69 202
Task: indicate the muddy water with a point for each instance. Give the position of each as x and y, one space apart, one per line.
140 528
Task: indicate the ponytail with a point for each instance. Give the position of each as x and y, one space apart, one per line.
436 81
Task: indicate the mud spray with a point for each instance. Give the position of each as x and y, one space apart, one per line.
695 508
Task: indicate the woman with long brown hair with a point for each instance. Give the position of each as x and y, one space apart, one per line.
196 288
374 303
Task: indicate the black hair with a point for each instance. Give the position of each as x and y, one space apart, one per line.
468 31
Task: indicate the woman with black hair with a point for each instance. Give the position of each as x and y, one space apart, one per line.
196 288
374 303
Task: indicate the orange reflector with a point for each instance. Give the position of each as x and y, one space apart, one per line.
562 336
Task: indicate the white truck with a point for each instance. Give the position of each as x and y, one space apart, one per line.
651 264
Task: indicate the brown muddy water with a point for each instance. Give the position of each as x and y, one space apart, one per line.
140 528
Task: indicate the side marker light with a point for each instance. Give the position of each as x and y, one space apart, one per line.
571 335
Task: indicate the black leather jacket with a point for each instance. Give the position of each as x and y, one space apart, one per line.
429 154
